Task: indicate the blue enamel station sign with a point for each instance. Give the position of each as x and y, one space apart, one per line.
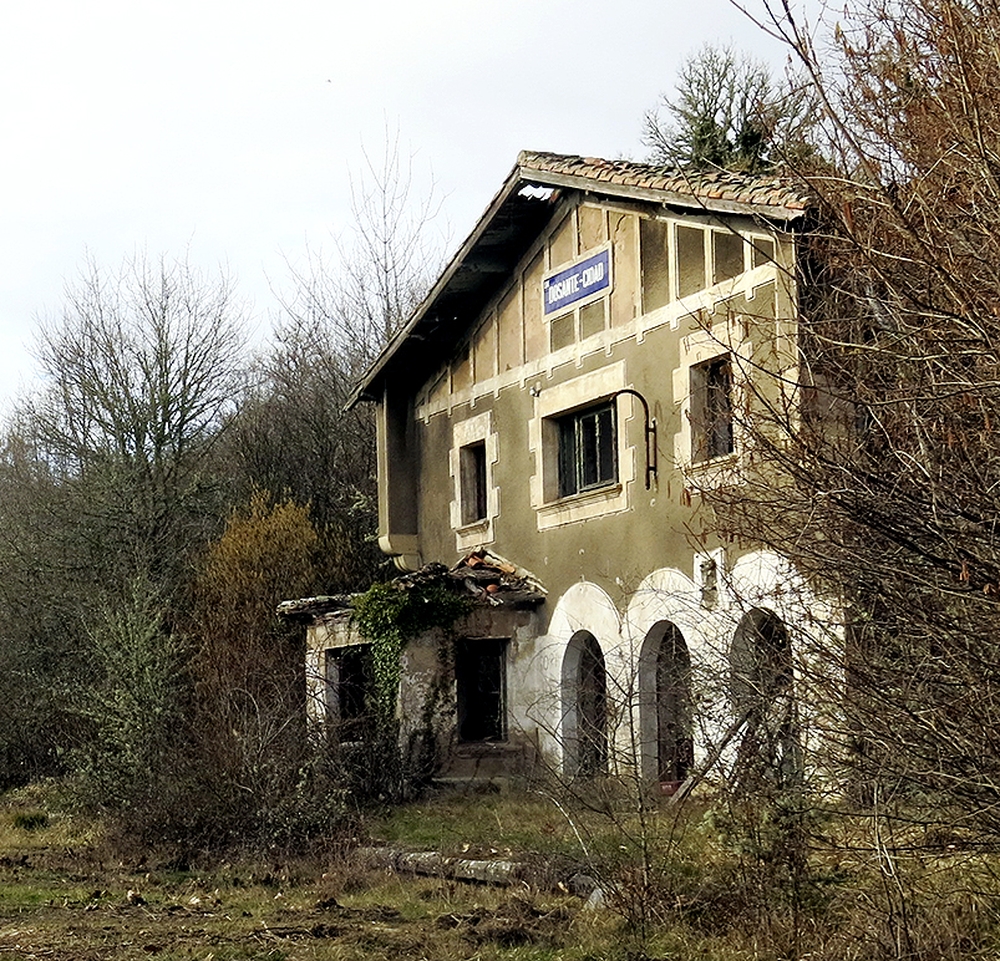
583 280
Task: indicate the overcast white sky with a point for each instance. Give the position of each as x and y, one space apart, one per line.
228 129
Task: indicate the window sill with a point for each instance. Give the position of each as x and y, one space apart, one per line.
471 536
720 460
582 506
584 497
714 473
484 748
480 526
354 744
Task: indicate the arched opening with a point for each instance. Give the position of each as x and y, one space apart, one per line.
585 707
674 723
666 706
760 662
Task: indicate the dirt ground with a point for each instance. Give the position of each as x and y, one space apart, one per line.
65 897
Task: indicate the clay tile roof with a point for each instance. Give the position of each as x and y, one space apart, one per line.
735 188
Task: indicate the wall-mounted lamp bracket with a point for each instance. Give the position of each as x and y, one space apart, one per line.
650 429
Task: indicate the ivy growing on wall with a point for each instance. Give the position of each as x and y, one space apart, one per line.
390 614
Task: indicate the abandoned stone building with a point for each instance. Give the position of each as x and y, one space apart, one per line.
581 370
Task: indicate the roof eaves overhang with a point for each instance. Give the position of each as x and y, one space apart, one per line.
663 197
434 321
424 316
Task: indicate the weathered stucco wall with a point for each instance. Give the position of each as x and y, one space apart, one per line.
542 725
478 457
507 386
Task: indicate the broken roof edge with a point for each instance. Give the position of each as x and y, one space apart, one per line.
309 608
677 187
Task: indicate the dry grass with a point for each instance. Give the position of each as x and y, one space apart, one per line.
66 893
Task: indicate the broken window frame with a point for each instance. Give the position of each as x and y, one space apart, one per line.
588 449
711 414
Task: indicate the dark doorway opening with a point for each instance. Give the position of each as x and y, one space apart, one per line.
591 709
349 676
674 722
481 688
761 694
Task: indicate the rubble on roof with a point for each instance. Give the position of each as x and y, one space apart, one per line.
487 578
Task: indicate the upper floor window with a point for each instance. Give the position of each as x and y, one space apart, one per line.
712 409
583 465
587 449
703 257
691 261
472 468
472 461
727 255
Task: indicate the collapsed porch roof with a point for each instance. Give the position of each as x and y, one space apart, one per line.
488 580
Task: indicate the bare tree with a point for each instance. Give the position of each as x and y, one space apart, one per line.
140 372
382 265
293 436
108 493
392 261
728 111
881 477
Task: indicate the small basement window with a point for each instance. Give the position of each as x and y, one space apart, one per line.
472 467
481 688
712 409
588 456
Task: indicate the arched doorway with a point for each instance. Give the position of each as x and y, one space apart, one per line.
666 713
760 661
585 707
